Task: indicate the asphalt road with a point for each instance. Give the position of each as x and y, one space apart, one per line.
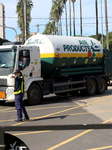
55 110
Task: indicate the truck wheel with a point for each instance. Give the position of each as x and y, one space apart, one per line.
91 88
101 86
2 102
34 94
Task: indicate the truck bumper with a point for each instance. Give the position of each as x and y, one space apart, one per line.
8 91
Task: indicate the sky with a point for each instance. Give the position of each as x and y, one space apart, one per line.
40 14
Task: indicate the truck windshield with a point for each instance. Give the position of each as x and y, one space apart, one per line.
7 58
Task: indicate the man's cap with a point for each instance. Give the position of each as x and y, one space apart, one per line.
16 71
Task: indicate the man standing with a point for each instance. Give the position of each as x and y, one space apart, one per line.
18 92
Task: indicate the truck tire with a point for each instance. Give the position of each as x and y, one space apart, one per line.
2 102
91 87
34 94
102 86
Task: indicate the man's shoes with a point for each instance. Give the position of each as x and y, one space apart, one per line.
26 119
22 120
19 120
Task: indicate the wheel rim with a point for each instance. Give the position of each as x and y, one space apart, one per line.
34 94
92 87
102 86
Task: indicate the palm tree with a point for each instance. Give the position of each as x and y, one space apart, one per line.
64 1
20 12
50 28
70 15
60 27
96 19
101 22
80 17
55 16
29 8
56 11
106 22
73 1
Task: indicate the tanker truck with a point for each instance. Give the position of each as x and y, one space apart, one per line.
55 64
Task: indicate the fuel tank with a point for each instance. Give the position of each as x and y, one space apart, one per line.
65 55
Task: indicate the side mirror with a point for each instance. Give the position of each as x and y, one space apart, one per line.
26 61
26 53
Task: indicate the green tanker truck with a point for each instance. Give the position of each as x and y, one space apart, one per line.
55 64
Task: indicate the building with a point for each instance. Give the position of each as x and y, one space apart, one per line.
17 38
2 21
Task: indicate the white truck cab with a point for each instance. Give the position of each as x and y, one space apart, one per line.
10 57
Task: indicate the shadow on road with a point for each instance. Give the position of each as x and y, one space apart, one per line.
51 117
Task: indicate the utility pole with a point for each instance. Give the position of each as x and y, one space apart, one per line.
37 28
80 17
25 18
96 19
106 22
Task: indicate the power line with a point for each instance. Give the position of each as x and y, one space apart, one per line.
72 24
84 25
61 18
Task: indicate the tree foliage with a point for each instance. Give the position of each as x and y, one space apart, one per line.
55 15
104 40
99 37
56 10
50 28
20 12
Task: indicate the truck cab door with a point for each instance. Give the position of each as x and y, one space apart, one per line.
29 62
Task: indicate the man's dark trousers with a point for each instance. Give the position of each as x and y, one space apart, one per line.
20 107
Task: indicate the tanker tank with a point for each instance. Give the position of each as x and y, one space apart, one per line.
65 55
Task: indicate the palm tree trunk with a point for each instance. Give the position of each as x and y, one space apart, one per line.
57 29
54 27
70 15
25 18
74 18
106 20
60 26
23 41
66 20
96 19
101 22
80 17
